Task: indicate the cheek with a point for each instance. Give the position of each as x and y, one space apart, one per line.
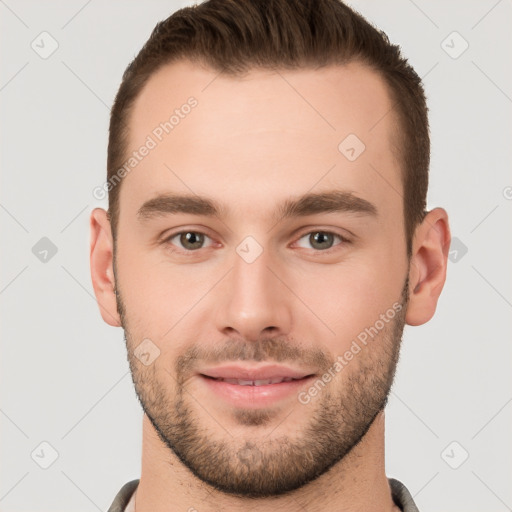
158 294
342 309
352 299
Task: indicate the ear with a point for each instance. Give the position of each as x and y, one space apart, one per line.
427 272
102 268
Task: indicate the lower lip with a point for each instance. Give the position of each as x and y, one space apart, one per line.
251 397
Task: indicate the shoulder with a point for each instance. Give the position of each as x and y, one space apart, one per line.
401 496
123 496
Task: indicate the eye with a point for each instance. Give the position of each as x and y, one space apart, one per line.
189 240
323 240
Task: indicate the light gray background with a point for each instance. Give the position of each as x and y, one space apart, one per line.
64 375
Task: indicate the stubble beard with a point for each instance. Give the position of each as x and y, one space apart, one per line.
251 465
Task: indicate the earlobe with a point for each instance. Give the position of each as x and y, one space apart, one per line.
427 272
101 262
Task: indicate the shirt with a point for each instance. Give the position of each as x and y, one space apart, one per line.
125 498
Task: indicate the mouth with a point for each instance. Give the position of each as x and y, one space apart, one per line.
274 373
251 388
257 382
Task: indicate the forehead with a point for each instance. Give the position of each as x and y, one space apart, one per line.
257 138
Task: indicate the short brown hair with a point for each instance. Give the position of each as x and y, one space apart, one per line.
233 36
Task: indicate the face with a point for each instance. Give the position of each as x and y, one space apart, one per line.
287 257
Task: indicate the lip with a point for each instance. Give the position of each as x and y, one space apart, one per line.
273 371
253 397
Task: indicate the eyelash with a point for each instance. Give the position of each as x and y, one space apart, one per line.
344 241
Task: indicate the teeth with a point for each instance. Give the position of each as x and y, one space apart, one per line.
261 382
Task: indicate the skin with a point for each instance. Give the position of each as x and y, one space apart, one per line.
251 143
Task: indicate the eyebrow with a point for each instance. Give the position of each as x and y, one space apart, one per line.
307 204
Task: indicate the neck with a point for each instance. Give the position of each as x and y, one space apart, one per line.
357 483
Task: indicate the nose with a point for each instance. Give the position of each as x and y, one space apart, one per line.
254 301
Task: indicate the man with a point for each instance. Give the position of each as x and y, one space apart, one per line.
265 244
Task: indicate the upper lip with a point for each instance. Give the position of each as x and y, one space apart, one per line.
254 373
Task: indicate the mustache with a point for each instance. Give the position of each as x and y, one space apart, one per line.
273 350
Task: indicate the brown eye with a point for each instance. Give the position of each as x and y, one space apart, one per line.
188 240
322 240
